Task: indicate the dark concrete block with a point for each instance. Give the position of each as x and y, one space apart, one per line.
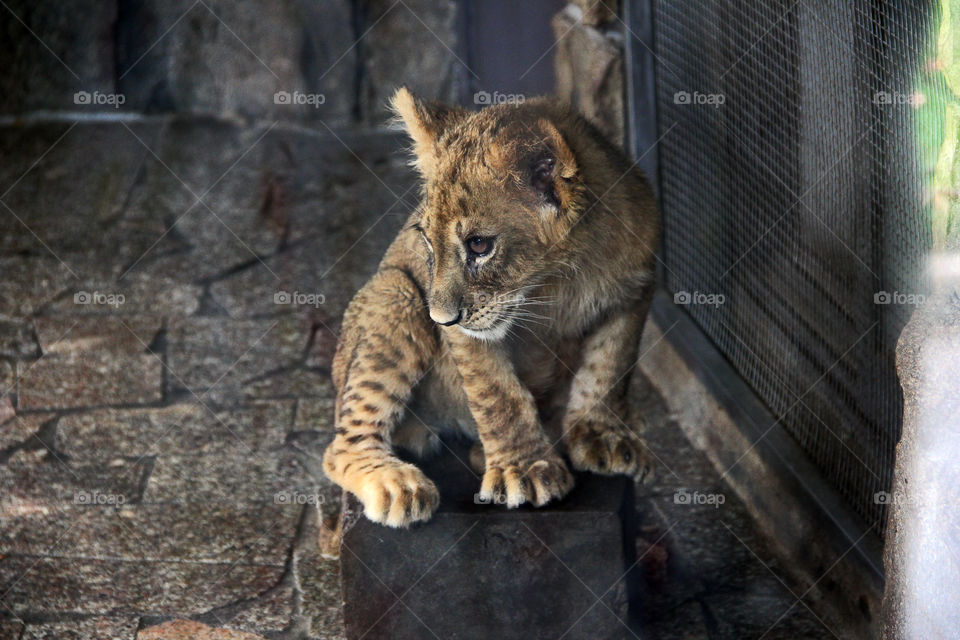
482 571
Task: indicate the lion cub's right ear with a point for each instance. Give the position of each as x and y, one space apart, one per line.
424 121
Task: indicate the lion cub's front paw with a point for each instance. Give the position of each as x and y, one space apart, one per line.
538 482
607 447
398 495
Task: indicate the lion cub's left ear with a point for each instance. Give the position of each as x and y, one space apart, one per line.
552 167
424 121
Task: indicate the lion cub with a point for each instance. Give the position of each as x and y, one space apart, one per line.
508 308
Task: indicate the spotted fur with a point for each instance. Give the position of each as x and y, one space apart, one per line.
508 308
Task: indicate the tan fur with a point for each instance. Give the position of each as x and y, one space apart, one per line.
544 325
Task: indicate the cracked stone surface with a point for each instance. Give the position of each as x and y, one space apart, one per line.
121 628
167 326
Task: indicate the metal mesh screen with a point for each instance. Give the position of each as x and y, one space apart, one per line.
791 182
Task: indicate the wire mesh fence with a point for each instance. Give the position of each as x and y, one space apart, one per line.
794 160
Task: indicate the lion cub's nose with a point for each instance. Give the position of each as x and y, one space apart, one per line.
445 317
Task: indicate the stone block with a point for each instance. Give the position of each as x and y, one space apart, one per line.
17 339
192 630
231 58
51 585
53 50
115 628
274 477
18 430
97 164
184 428
92 362
189 532
560 570
31 282
338 228
229 360
8 385
90 380
319 580
434 72
316 414
10 629
36 484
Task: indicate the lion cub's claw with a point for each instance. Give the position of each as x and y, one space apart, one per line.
538 483
609 449
398 496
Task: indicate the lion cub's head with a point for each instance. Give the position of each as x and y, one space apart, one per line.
502 190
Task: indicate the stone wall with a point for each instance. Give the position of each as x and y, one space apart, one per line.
589 63
273 59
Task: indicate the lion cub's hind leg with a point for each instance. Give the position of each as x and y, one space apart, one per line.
387 343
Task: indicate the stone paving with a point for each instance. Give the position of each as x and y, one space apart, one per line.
169 304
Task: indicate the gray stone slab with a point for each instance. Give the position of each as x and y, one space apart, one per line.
220 359
566 562
88 230
434 72
756 611
10 628
115 628
38 483
17 339
316 414
64 336
183 428
223 57
225 166
192 531
256 477
44 586
8 382
192 630
92 361
134 294
51 53
90 380
31 282
319 581
20 429
346 221
267 615
262 190
684 622
299 382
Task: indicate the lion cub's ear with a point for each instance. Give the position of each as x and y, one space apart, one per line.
552 167
424 121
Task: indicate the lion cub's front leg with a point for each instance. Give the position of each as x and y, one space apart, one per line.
387 342
521 465
595 430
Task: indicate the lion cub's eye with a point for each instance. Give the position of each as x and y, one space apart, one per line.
479 246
